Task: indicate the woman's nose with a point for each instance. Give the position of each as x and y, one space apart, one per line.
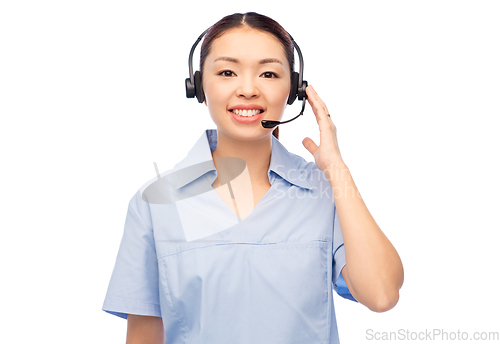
247 88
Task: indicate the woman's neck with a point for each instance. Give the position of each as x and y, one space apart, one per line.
255 153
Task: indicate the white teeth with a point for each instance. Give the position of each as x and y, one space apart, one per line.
246 113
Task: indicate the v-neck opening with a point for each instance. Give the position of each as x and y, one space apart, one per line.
213 146
259 203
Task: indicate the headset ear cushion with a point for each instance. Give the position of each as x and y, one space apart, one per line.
198 87
293 88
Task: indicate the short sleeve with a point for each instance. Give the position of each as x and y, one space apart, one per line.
133 288
339 284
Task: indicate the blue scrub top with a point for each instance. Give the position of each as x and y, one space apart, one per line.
212 277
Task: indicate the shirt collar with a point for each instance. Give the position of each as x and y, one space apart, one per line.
199 160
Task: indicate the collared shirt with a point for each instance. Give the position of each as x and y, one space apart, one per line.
185 255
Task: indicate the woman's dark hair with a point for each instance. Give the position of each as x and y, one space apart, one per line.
254 21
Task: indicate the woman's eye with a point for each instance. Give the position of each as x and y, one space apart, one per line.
227 73
270 75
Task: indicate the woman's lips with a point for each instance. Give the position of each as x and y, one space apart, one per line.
248 119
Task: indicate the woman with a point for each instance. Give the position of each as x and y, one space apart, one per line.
253 257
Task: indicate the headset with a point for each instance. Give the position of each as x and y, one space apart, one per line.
194 87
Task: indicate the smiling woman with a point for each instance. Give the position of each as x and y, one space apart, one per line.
243 241
261 25
252 65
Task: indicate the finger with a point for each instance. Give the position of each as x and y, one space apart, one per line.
319 107
325 124
309 145
312 99
317 99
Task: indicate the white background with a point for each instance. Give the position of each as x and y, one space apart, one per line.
92 93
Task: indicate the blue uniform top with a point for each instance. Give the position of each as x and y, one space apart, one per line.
212 277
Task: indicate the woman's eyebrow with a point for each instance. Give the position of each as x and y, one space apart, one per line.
270 60
232 59
225 58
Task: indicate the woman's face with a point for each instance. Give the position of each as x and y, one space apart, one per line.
246 69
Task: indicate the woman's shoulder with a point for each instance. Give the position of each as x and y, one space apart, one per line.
311 172
302 163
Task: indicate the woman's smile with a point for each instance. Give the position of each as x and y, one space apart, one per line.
246 113
246 116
